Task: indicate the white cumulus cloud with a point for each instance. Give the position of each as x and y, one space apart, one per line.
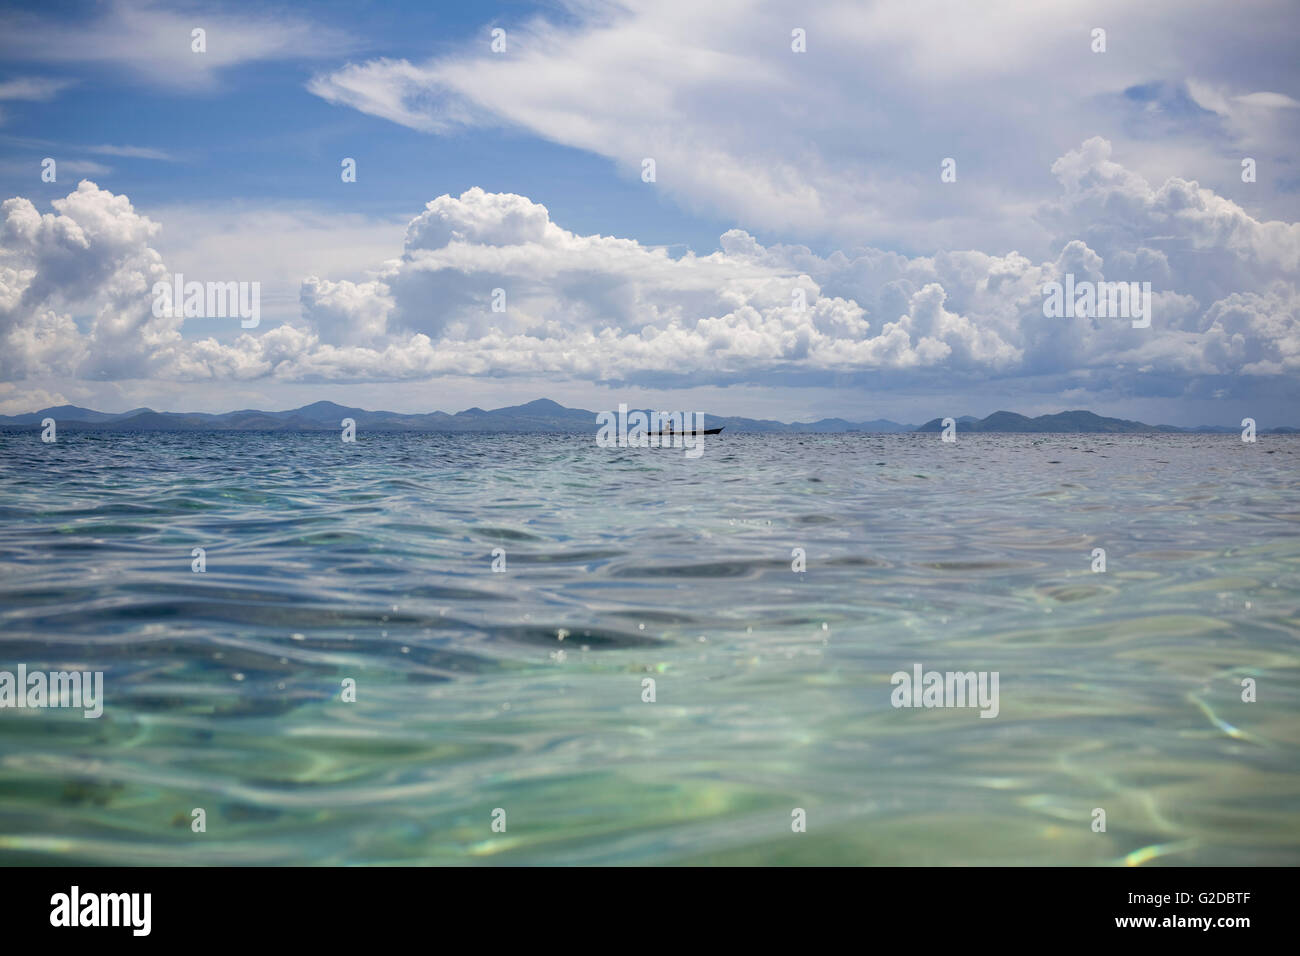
75 300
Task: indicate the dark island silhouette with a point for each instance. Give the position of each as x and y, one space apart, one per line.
544 415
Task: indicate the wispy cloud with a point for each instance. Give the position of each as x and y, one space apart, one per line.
126 152
154 44
66 167
845 140
132 152
32 88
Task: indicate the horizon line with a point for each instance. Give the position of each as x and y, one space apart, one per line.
143 410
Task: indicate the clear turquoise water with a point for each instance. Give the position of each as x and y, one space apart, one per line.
373 561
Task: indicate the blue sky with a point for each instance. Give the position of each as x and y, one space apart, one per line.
779 175
257 134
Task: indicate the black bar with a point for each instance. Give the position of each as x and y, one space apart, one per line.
971 906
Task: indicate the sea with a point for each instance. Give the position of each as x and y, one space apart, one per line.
498 649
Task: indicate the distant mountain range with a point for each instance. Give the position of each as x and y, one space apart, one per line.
1079 422
543 415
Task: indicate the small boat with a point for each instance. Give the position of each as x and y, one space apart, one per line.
691 434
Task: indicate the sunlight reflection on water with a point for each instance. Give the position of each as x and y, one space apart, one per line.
373 561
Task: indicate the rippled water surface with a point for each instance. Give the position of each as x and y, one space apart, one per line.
522 690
